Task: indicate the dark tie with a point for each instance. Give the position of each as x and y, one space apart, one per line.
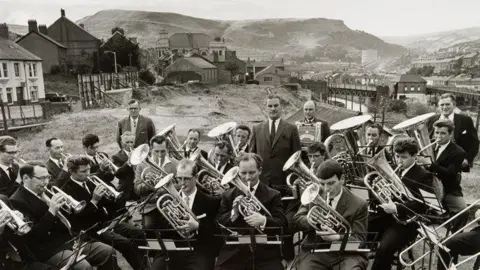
370 151
272 132
11 174
435 150
86 187
330 202
400 173
134 124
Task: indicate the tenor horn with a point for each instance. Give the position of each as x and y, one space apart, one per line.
225 132
321 213
172 207
111 193
14 222
208 177
299 169
173 143
140 155
71 205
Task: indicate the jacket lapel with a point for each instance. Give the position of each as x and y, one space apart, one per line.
266 132
278 132
445 152
457 123
342 202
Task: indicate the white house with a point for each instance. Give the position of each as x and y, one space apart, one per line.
21 74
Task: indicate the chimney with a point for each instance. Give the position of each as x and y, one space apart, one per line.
3 30
42 28
82 25
32 26
62 12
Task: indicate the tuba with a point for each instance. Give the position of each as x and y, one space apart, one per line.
249 204
172 206
102 158
14 222
173 143
71 206
111 194
208 177
140 155
225 132
321 213
305 177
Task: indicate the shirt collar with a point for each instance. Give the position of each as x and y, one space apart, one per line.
254 187
404 172
5 168
191 197
244 148
92 158
56 161
450 116
336 199
35 194
77 182
309 120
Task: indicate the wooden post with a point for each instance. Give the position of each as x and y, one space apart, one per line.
5 124
478 117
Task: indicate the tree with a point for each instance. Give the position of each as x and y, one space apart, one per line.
232 68
425 71
125 51
119 29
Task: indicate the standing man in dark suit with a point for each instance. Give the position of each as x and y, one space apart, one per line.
267 257
125 172
8 166
355 211
140 125
191 145
465 134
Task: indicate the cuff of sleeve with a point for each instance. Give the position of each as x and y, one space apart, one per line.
262 227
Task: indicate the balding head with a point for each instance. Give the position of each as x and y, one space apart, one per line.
309 109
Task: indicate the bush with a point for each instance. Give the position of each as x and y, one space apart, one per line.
55 69
417 108
83 69
398 106
147 76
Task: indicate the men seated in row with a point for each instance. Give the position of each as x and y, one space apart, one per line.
101 208
205 207
56 159
9 167
373 133
234 257
242 137
125 172
222 156
191 144
353 209
49 240
392 234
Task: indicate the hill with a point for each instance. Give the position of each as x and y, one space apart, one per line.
254 38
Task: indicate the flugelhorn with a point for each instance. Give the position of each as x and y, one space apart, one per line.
102 158
305 177
71 205
14 222
321 213
172 207
111 193
208 177
249 203
140 155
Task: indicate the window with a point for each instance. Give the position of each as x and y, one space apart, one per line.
406 89
412 88
9 95
32 70
4 70
267 79
419 88
219 52
34 93
16 68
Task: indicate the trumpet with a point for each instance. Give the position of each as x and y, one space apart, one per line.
111 192
102 158
71 205
20 162
65 156
14 222
140 155
248 204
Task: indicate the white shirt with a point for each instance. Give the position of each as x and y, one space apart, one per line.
81 184
56 162
440 150
336 199
450 117
191 198
132 126
166 160
92 158
244 148
277 122
126 152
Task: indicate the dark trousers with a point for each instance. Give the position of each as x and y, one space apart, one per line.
246 264
331 261
466 243
184 260
290 207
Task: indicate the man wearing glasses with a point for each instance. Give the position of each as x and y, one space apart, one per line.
9 167
141 126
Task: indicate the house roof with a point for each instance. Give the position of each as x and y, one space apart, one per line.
411 78
69 22
117 33
326 112
199 62
189 40
271 70
51 40
277 63
10 50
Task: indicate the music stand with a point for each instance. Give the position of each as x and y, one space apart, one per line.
77 255
433 242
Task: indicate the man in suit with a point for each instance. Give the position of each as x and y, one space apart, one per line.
465 134
8 166
222 156
56 159
191 145
447 166
394 235
205 245
355 211
309 109
141 126
125 172
49 240
144 187
240 257
101 210
373 133
241 137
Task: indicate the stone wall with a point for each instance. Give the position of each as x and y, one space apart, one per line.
121 96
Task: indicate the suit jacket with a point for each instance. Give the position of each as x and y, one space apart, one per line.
417 178
353 208
48 235
53 169
324 130
448 168
202 152
9 186
271 199
144 132
465 134
286 142
125 175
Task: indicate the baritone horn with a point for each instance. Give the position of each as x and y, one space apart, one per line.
13 221
299 169
208 177
173 207
173 143
111 193
71 205
225 132
140 155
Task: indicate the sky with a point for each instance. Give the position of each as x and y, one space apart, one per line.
378 17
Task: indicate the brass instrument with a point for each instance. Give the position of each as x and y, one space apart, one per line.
102 158
14 222
20 162
173 144
248 204
111 194
71 205
140 155
208 177
309 133
172 206
320 213
304 176
225 132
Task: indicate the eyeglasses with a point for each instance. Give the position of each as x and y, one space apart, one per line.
44 178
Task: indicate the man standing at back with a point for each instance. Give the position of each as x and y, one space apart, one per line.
141 126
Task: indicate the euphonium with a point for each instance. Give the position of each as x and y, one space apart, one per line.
172 207
224 132
71 206
321 213
208 177
14 222
101 158
176 148
111 193
140 155
305 177
249 203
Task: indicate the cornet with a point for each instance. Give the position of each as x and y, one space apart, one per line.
14 222
101 158
71 205
111 192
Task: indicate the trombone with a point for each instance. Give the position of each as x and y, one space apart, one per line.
111 192
71 205
14 222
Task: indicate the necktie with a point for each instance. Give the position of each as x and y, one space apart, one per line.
400 173
330 202
435 150
60 163
11 174
272 132
134 124
86 187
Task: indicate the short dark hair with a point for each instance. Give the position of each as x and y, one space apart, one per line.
6 140
48 143
328 169
448 95
89 140
29 168
194 130
158 139
244 127
317 147
186 163
441 123
131 101
223 144
250 156
273 96
74 162
378 126
403 145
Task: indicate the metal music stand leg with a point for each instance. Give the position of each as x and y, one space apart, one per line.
164 248
253 246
